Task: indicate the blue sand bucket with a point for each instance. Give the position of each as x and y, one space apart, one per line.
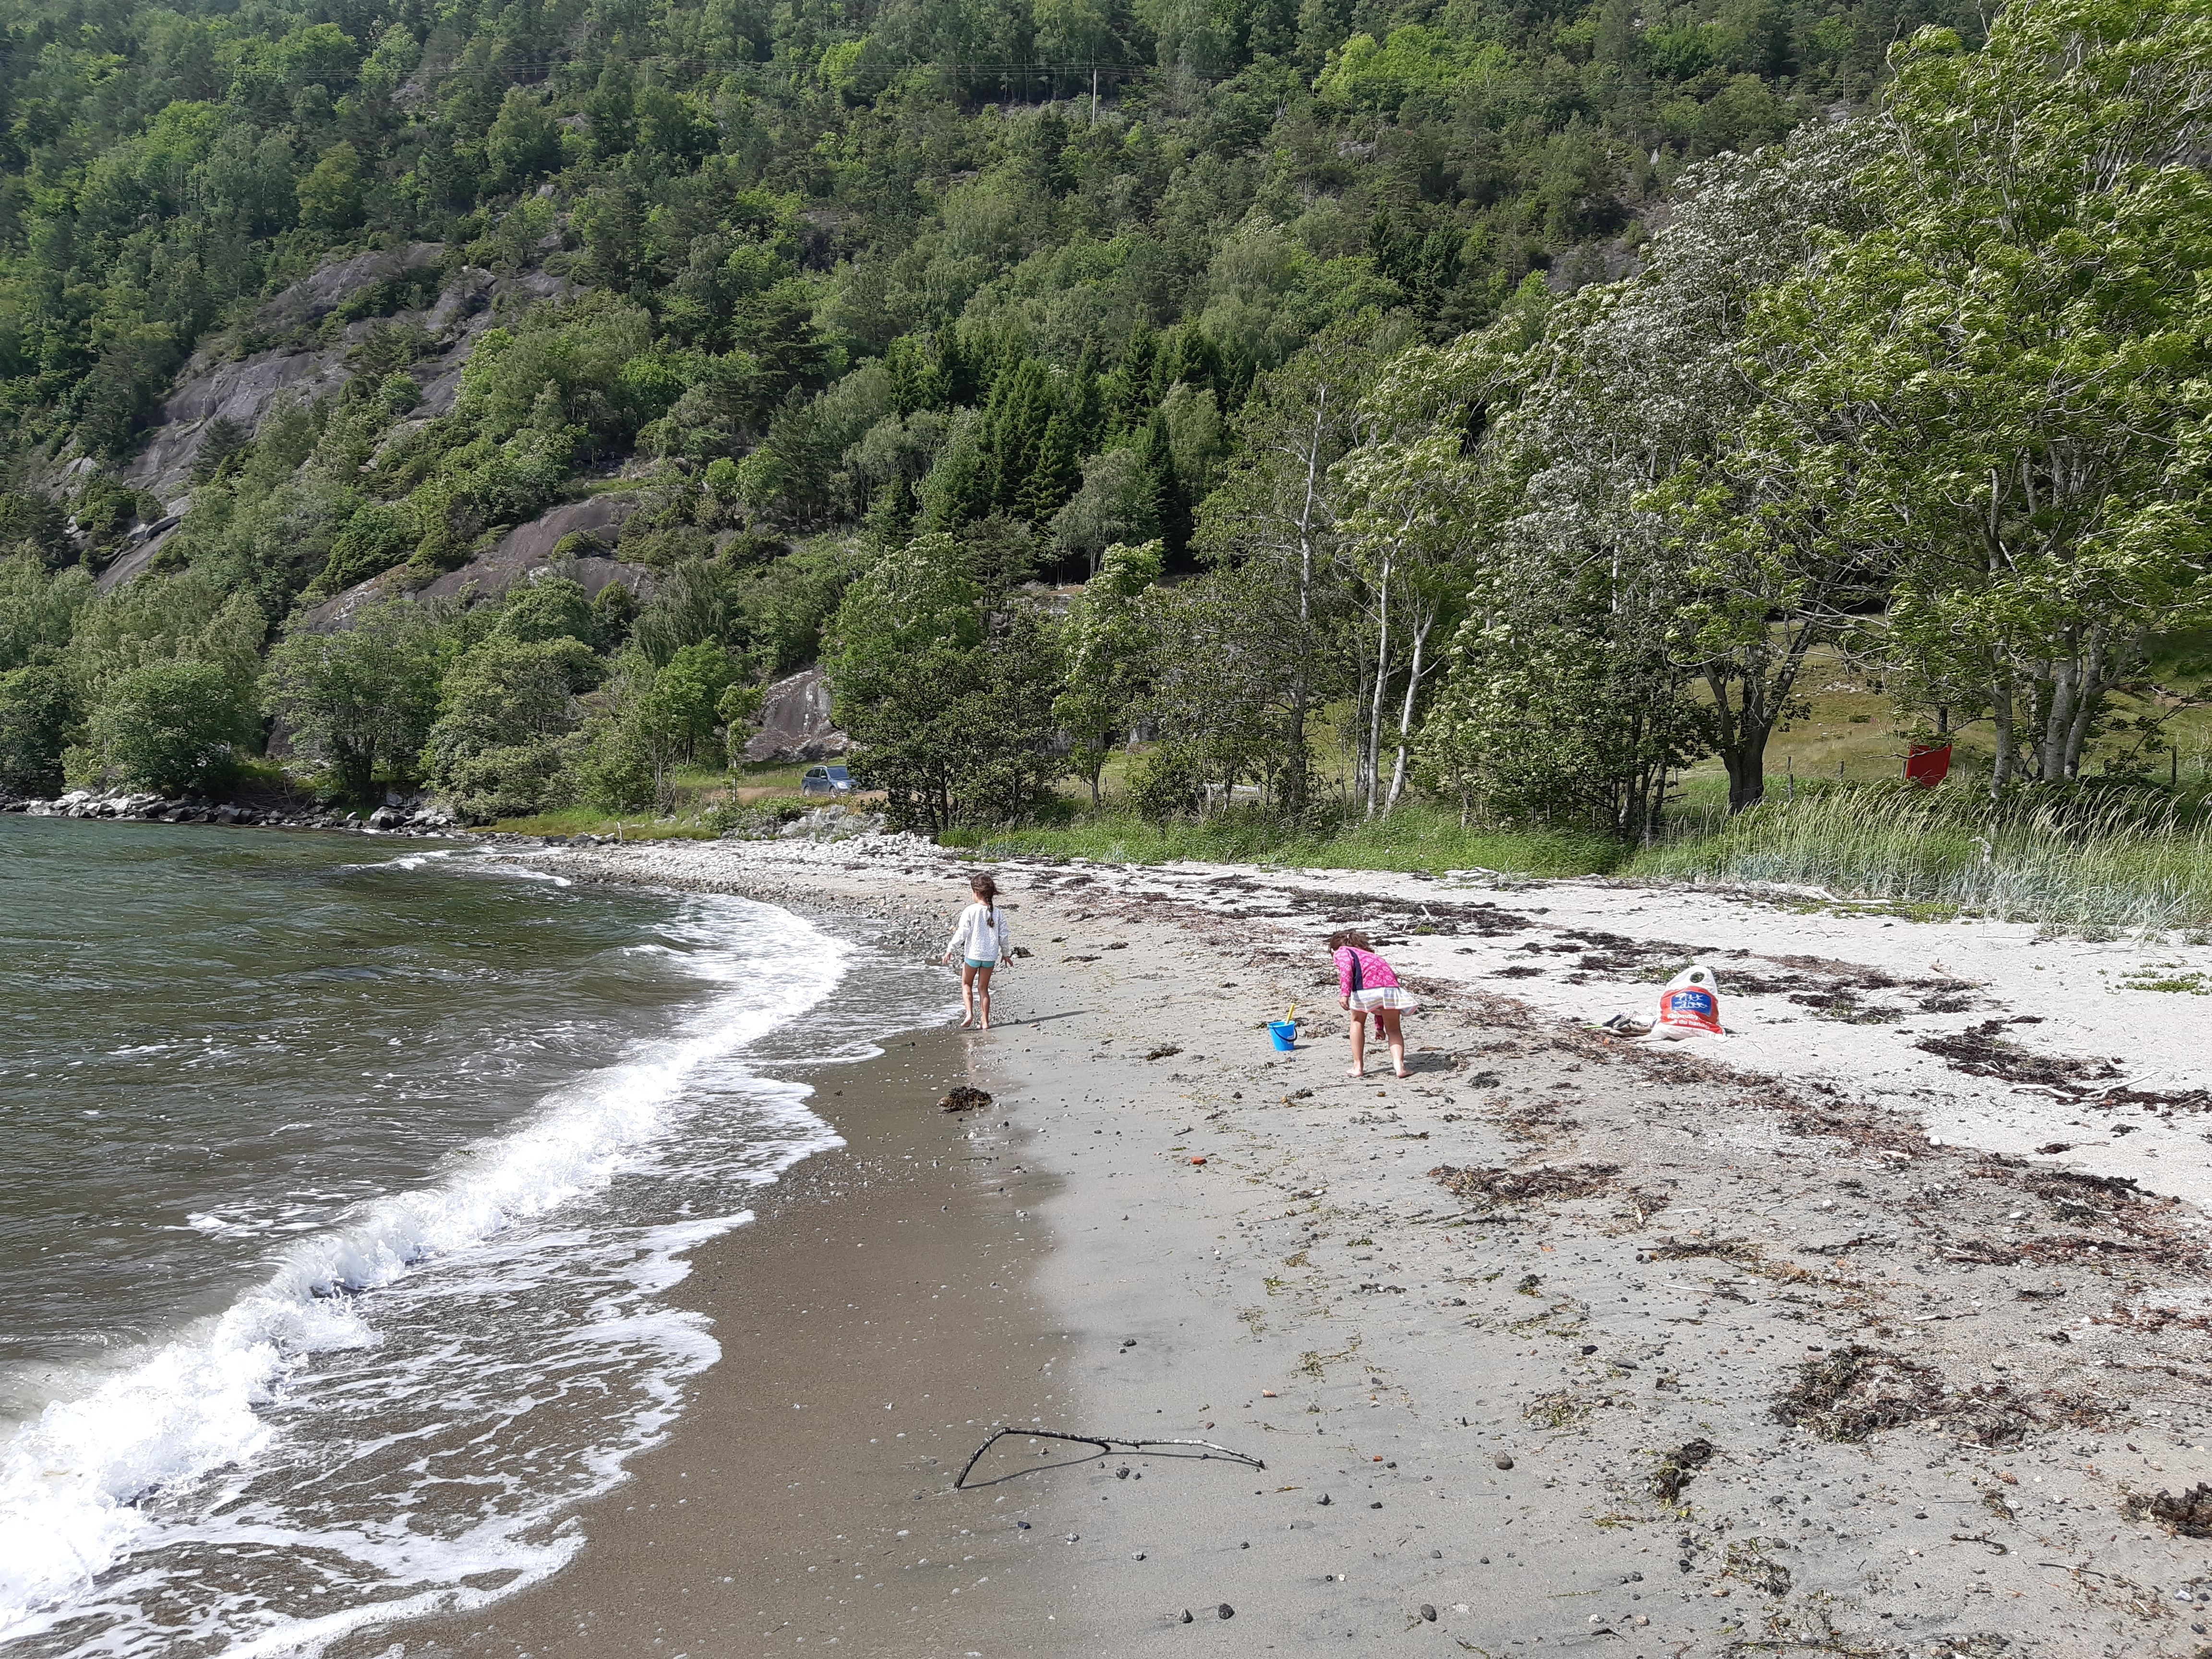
1285 1033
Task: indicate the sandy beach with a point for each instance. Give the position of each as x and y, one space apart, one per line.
1879 1327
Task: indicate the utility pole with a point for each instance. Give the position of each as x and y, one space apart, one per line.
1094 94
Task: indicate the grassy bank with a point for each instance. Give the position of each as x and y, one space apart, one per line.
1417 836
689 825
707 801
2132 861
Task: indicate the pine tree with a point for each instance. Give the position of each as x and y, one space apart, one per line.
1053 479
891 515
961 367
1086 406
1129 399
957 490
1156 456
1021 408
918 379
1009 350
1190 360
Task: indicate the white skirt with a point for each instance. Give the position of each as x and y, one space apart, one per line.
1384 996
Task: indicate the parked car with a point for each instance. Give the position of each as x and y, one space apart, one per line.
826 781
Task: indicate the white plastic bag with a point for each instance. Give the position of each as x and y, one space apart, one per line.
1690 1006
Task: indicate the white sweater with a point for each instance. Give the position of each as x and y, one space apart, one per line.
980 934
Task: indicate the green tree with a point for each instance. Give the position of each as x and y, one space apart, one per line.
689 690
330 194
376 538
1107 646
363 697
2002 392
524 143
188 615
505 707
38 609
648 723
38 709
551 608
1052 480
1273 516
35 526
1115 504
949 707
173 725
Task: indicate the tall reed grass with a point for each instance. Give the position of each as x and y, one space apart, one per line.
2139 862
1418 836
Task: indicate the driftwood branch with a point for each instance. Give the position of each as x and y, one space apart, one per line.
1105 1443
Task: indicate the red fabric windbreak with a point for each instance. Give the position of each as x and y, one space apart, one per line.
1928 764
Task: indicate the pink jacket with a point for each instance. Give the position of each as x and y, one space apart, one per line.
1374 973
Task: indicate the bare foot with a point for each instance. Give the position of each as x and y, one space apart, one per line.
984 1026
1356 1070
1403 1073
966 1020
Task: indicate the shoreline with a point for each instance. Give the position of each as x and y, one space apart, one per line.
891 1248
1678 1349
1817 1339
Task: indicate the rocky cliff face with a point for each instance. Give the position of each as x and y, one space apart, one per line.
523 553
218 384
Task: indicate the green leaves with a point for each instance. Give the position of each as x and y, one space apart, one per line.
361 697
1997 393
172 726
1107 647
950 708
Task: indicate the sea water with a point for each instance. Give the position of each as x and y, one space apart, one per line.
341 1185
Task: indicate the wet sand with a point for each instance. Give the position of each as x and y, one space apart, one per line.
878 1310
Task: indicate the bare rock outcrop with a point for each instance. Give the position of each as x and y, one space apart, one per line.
794 721
523 553
214 385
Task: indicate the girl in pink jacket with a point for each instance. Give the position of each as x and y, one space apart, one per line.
1367 986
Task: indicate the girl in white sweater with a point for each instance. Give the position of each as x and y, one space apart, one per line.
983 942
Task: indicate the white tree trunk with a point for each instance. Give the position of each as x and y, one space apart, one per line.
1382 685
1405 712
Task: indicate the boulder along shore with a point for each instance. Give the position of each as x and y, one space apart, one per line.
1879 1327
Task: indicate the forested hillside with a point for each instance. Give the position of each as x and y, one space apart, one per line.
1492 400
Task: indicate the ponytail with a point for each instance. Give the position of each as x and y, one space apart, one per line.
986 890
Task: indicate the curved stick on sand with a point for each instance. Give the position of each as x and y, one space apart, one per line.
1105 1443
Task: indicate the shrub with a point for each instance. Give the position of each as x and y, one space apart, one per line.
172 726
1168 785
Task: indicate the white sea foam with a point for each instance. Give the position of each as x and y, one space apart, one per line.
72 1480
404 860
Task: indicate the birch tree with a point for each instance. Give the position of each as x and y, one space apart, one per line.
1406 545
1274 515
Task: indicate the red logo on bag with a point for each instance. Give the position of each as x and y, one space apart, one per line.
1692 1005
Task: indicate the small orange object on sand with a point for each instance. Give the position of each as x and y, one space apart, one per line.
1267 1394
1198 1160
